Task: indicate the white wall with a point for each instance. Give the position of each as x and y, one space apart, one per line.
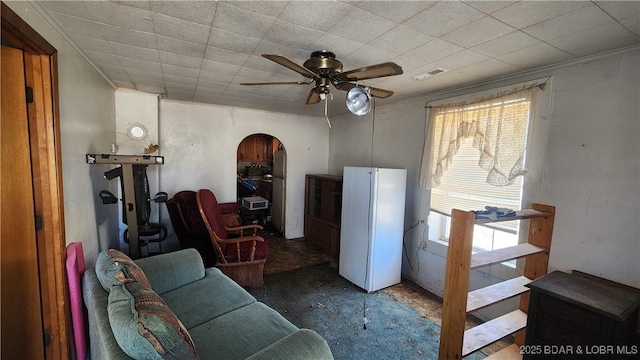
87 126
592 168
200 142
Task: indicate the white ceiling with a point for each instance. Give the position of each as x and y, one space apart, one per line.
201 51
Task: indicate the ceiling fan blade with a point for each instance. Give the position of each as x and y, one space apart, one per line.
291 65
369 72
313 97
279 83
375 92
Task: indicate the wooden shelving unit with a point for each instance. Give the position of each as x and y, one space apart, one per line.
455 342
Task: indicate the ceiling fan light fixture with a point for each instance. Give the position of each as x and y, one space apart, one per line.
359 101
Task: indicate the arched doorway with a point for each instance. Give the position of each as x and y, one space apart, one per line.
261 168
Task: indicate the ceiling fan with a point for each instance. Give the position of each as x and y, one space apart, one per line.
323 69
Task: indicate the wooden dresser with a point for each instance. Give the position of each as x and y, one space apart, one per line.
323 209
574 317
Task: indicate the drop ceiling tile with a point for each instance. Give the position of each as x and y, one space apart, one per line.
119 15
124 84
336 44
92 44
362 26
318 15
129 37
224 56
179 60
116 76
154 89
253 75
268 8
288 34
211 86
213 66
135 52
432 51
590 41
232 42
103 58
461 59
396 11
177 79
537 55
181 29
482 30
71 8
489 69
179 87
140 64
180 95
368 55
526 13
137 4
137 75
620 9
489 7
111 69
505 44
180 71
77 26
200 12
240 21
443 17
632 23
214 76
184 48
570 23
263 64
400 40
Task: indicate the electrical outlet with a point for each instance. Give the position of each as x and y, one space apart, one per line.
422 221
423 244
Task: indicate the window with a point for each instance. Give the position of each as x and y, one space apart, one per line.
474 156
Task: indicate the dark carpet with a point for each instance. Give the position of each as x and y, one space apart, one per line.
316 297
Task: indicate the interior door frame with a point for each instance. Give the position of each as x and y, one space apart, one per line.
46 155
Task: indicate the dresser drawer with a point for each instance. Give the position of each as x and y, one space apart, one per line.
571 314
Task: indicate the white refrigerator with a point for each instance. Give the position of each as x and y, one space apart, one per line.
372 226
278 191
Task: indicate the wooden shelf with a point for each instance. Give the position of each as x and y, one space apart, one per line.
455 342
487 258
482 335
520 215
490 295
511 352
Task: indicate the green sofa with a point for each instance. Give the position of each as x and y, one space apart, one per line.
224 321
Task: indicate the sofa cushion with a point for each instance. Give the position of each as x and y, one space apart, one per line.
172 270
145 327
241 333
205 299
114 267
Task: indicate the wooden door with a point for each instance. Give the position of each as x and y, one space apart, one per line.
21 308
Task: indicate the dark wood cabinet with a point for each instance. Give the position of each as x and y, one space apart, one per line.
323 209
256 148
572 317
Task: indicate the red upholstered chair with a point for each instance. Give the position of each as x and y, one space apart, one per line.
188 226
241 258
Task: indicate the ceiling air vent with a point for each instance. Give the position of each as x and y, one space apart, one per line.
430 73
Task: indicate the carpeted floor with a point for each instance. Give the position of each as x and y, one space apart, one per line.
316 297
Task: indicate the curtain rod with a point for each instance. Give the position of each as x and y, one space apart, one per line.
515 90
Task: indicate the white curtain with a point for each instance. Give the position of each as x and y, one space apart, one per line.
498 127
